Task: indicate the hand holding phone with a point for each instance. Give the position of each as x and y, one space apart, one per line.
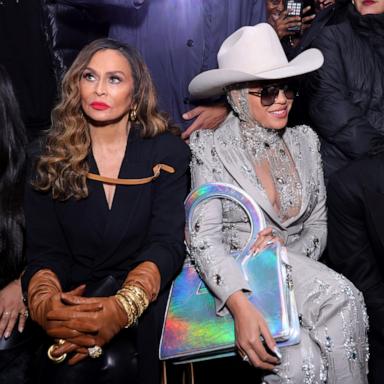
284 24
294 8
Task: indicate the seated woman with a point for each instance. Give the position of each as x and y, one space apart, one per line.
281 169
105 210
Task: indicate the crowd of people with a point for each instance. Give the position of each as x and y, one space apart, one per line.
92 215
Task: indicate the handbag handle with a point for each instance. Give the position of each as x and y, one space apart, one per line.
109 180
226 191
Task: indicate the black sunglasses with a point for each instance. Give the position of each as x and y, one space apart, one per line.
269 93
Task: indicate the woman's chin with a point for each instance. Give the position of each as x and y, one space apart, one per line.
277 123
102 121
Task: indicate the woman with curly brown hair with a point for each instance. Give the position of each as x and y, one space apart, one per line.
105 222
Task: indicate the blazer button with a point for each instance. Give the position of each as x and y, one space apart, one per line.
190 43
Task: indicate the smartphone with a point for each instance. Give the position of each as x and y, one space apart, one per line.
294 8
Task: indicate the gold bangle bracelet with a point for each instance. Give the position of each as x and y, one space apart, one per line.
137 293
131 313
132 301
140 292
129 304
133 305
127 308
136 301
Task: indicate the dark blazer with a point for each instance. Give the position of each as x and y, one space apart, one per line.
356 242
83 241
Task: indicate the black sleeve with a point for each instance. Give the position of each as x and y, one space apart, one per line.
46 247
165 239
336 118
350 249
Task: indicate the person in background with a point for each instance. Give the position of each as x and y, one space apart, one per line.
15 345
294 42
26 55
105 222
356 241
345 96
177 39
278 18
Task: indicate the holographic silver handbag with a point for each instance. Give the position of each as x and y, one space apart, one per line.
192 331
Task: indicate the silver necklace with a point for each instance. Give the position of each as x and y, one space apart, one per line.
266 146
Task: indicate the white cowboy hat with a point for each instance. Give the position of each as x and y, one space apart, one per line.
252 53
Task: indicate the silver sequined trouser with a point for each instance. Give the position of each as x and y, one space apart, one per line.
334 345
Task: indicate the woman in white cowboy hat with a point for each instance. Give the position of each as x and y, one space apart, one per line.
281 169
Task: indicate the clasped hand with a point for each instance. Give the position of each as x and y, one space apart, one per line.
83 322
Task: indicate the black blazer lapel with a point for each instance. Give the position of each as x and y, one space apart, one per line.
127 198
87 216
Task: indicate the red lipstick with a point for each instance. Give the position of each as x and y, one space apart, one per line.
368 2
99 106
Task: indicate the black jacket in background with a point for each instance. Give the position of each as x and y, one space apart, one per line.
356 243
38 40
25 53
345 96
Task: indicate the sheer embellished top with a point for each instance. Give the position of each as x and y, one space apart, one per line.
275 170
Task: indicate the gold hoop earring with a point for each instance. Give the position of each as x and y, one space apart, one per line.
133 114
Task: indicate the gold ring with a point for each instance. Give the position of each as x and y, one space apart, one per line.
59 359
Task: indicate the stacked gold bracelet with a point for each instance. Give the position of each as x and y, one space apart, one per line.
134 300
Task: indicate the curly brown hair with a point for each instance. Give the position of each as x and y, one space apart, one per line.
62 168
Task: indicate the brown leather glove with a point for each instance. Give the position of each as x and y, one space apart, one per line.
111 319
146 276
103 324
43 291
44 295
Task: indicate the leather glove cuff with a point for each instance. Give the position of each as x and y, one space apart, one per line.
43 285
147 277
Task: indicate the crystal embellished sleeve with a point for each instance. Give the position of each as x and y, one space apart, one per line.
209 248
